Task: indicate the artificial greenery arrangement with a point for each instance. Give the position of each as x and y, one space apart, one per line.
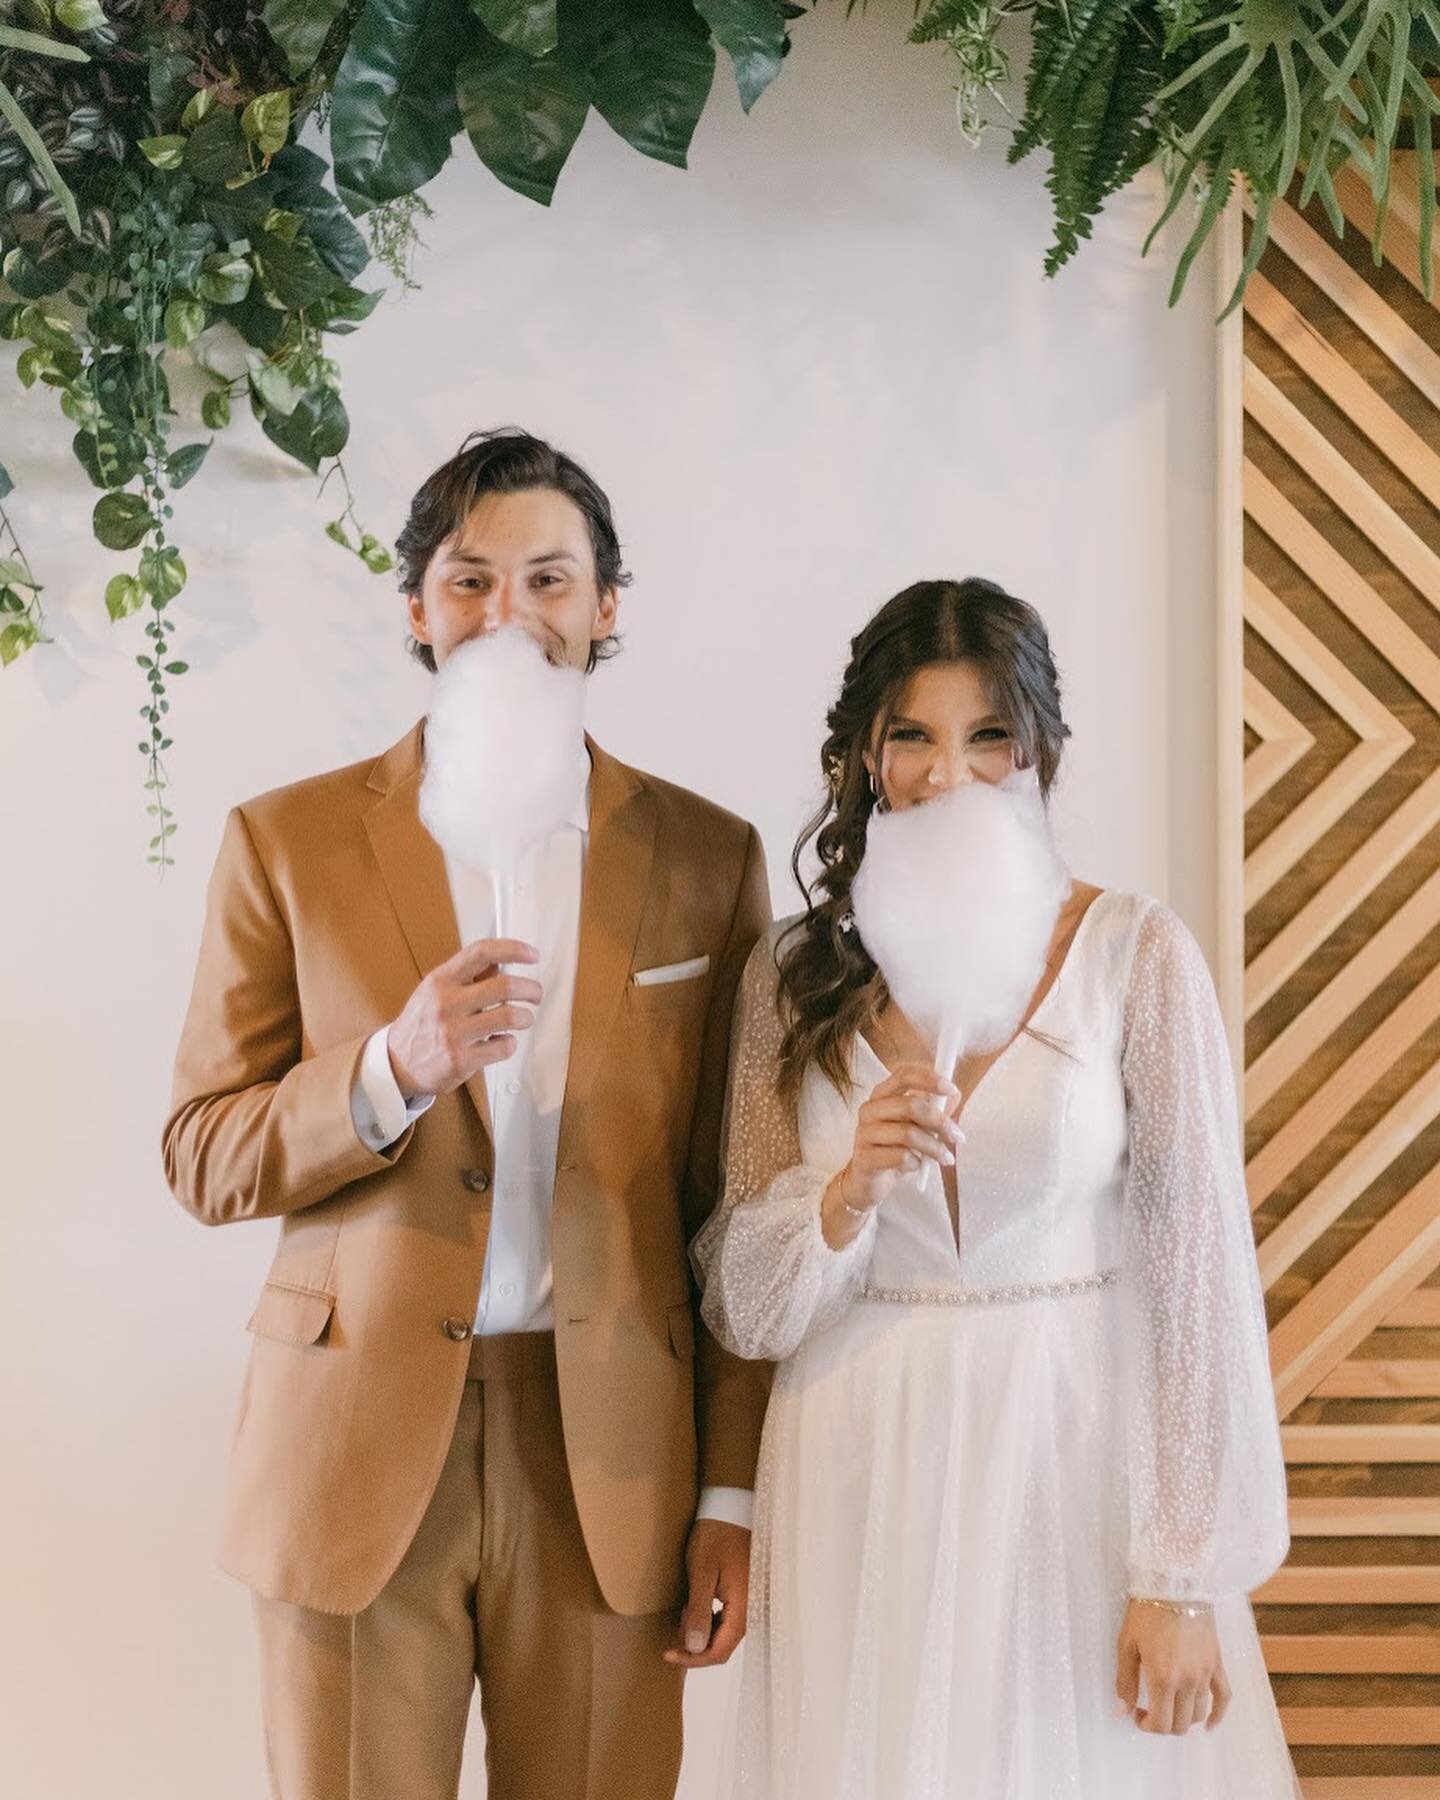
1222 93
157 202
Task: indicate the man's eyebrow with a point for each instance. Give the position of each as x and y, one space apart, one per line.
483 562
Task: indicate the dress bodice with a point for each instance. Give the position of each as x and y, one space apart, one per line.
1040 1176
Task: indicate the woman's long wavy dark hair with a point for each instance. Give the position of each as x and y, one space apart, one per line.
829 985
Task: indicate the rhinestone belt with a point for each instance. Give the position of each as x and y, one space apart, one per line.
995 1296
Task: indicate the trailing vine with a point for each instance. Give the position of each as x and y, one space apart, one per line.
22 622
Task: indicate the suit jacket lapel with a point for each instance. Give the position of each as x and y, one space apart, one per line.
617 880
412 867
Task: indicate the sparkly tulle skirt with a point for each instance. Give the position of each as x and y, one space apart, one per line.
939 1575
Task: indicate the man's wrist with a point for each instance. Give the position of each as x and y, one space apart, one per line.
408 1090
726 1506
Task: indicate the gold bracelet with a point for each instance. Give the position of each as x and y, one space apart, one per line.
1188 1609
855 1212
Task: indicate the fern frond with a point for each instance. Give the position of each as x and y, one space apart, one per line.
947 18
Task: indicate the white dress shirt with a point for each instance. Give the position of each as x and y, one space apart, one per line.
541 905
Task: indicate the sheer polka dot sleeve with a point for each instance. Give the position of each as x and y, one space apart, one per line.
768 1277
1208 1510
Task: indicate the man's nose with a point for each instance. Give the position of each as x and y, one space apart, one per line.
499 607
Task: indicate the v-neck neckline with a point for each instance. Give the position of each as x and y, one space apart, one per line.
1045 999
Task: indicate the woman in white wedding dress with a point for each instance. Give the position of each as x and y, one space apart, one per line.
1021 1465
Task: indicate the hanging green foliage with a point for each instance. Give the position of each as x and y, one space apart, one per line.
157 202
1230 95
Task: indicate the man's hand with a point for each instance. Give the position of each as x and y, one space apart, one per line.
463 1017
1184 1678
717 1560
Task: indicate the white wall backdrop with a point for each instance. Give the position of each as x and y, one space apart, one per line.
821 364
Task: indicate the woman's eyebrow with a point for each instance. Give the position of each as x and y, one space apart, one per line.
977 725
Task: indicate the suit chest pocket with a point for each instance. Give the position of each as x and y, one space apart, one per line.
291 1314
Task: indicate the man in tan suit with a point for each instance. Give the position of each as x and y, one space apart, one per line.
483 1433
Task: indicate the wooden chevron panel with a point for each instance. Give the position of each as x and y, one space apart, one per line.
1337 799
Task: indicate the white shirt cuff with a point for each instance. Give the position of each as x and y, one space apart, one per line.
731 1506
377 1106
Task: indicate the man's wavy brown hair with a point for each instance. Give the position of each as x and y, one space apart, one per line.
829 985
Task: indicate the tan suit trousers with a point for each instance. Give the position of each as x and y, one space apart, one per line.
496 1586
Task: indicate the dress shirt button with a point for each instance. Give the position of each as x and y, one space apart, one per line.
456 1330
512 1087
477 1180
507 1289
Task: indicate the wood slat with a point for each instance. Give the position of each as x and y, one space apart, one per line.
1364 1164
1361 1724
1373 963
1346 1305
1360 1443
1284 741
1341 1515
1383 1653
1343 1584
1321 263
1422 1307
1323 1111
1303 827
1376 857
1344 387
1370 1787
1381 1378
1383 740
1342 585
1400 238
1342 483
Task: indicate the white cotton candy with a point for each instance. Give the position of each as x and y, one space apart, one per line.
956 900
504 750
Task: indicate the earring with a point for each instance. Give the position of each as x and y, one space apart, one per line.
882 805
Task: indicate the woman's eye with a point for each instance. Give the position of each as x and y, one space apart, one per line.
993 733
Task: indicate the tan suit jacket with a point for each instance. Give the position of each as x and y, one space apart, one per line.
328 902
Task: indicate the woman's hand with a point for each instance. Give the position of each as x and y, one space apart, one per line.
1184 1676
909 1116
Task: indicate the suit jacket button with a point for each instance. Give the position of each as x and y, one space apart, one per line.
477 1180
457 1330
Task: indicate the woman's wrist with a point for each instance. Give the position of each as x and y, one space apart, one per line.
1188 1609
840 1222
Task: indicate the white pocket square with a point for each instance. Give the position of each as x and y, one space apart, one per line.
681 971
